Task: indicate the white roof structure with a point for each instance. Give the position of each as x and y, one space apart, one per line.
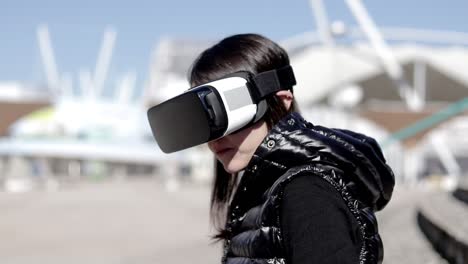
321 70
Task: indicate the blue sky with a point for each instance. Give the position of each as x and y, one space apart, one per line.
76 27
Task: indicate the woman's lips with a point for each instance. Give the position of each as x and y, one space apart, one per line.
222 151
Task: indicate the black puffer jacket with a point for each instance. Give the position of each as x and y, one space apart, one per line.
350 162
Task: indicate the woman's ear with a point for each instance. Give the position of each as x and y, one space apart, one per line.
286 96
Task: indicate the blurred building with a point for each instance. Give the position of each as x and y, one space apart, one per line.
64 133
170 62
352 80
18 100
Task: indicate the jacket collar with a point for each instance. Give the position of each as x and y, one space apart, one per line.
294 142
287 144
271 160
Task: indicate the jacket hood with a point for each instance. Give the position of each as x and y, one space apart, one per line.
294 141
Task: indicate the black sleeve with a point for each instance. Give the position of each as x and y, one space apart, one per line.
317 225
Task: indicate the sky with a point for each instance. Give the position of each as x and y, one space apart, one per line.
76 27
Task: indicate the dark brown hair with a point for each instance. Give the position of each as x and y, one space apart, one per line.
244 52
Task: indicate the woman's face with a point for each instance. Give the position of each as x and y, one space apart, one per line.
234 151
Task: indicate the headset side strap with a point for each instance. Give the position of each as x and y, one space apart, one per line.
270 82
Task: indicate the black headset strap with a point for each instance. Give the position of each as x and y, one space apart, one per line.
272 81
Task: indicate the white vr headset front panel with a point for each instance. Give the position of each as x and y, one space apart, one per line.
239 106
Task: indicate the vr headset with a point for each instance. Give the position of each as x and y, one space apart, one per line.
215 109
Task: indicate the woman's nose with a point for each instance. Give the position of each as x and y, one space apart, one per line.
217 143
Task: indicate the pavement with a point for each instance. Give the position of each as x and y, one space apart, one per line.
403 242
112 222
139 221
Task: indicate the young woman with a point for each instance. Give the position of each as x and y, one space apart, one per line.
307 193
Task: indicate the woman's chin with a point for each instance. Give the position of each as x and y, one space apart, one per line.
233 166
231 169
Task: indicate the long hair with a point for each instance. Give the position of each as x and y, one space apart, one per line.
244 52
